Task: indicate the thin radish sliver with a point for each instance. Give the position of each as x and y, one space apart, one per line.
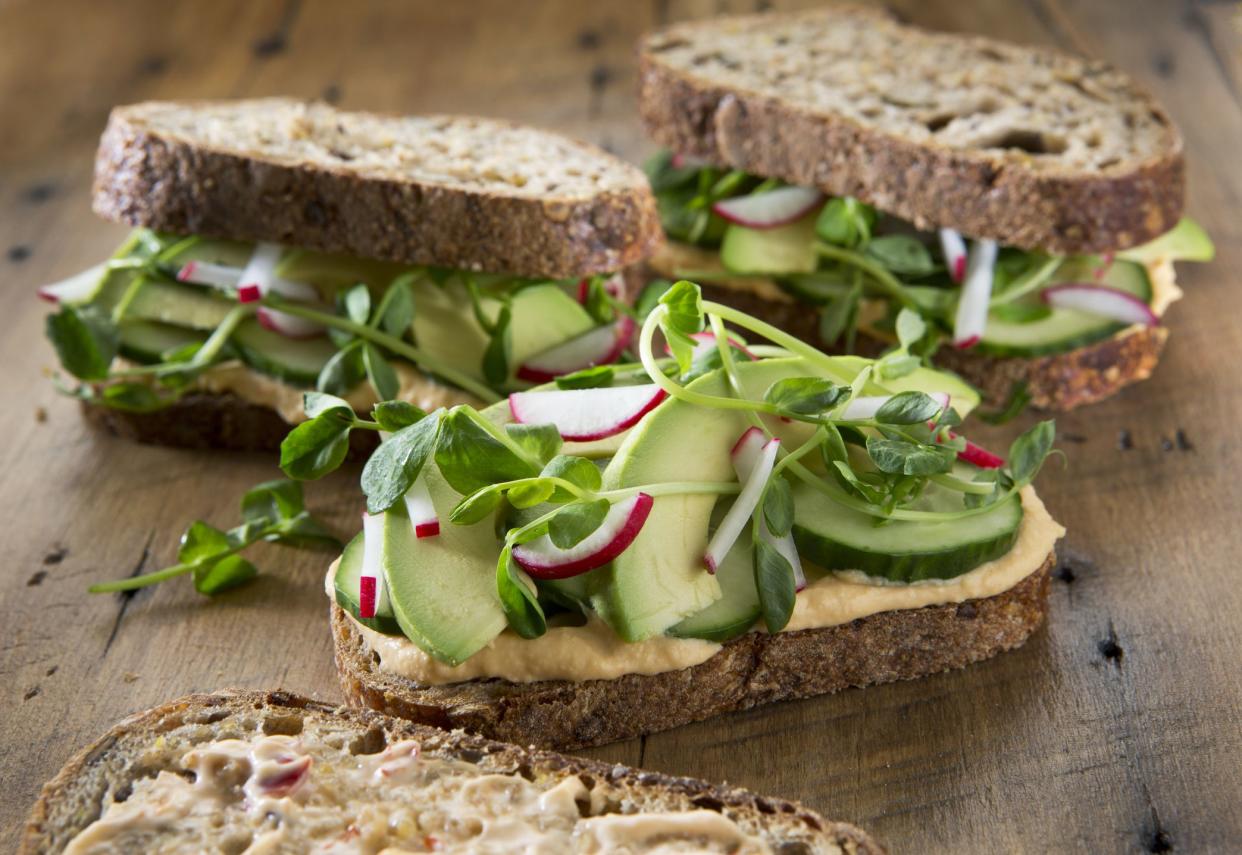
746 455
743 506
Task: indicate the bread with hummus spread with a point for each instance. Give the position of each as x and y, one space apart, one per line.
283 245
721 524
835 165
274 772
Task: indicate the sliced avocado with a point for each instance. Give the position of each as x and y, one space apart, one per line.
738 607
295 361
444 325
329 272
146 341
1187 241
443 588
962 395
835 537
230 253
660 579
784 249
345 584
1061 330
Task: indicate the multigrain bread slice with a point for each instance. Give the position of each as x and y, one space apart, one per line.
1032 147
478 194
751 670
1059 381
155 740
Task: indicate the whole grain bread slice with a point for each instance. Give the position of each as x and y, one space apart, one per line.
1059 381
155 740
452 191
751 670
1032 147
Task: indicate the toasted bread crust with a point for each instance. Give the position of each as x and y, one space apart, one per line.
201 420
752 670
46 831
931 185
144 177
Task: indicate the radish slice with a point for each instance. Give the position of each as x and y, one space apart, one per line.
81 286
582 415
206 273
543 559
867 406
746 454
743 506
249 294
979 456
1102 301
769 210
421 511
290 326
972 305
597 346
261 270
371 581
614 285
954 249
706 343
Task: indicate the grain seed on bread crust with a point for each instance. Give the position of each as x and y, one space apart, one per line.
107 768
528 202
754 669
1081 160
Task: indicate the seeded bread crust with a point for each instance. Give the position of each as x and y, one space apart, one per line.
1059 381
307 175
105 770
941 140
749 671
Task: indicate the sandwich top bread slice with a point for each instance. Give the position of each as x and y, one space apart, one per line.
272 772
720 524
283 245
839 159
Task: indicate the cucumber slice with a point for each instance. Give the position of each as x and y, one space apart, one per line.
295 361
1061 330
168 303
146 341
738 607
835 537
345 583
784 249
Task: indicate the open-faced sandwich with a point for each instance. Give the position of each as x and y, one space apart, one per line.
825 169
284 245
723 523
269 772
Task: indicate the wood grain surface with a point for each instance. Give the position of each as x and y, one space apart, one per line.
1115 730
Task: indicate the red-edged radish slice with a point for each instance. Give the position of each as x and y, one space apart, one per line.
249 294
582 415
1102 301
79 287
746 454
706 342
371 580
972 304
954 249
979 456
543 559
743 506
421 511
597 346
866 406
206 273
261 270
771 209
614 285
290 326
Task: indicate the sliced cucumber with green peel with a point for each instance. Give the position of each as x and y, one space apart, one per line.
738 608
147 341
345 583
835 537
190 306
784 249
295 361
1062 330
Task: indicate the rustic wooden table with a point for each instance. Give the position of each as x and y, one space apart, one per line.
1115 729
